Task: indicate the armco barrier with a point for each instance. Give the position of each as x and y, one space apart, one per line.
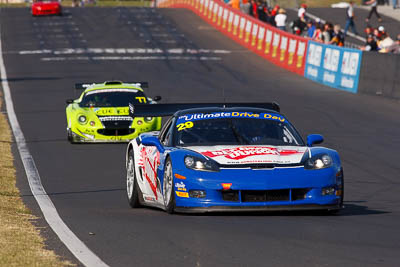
333 66
380 74
282 48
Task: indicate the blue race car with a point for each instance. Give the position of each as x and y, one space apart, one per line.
230 157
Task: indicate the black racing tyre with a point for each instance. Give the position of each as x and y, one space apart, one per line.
168 188
132 189
69 136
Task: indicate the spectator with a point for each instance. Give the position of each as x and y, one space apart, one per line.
280 20
310 29
395 47
301 13
261 8
377 35
374 9
253 9
327 33
298 26
385 43
337 38
318 33
272 14
350 19
245 6
234 4
369 31
370 45
394 2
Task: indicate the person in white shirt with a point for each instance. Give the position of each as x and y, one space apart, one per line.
374 4
302 12
350 19
280 20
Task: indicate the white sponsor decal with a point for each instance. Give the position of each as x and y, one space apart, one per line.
276 39
180 185
252 154
284 43
312 71
236 21
248 26
329 77
268 37
314 55
292 45
347 82
350 63
225 14
331 59
301 48
261 33
220 11
255 29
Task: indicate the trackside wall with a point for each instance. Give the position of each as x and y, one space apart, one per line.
380 74
330 65
282 48
333 66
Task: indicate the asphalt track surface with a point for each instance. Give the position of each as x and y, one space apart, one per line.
87 182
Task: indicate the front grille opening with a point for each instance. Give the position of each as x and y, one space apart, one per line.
265 195
115 132
299 193
230 195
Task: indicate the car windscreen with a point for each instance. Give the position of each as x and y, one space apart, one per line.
235 128
112 98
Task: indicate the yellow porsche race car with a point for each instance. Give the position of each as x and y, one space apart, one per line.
101 113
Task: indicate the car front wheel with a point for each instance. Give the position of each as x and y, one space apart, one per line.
168 192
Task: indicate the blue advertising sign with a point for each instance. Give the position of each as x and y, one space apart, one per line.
334 66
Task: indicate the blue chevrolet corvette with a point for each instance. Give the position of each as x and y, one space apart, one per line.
230 157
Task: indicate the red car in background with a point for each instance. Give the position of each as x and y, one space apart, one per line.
46 7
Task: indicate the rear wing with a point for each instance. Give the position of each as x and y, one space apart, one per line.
83 86
164 110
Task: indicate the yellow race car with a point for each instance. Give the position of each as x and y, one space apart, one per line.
101 113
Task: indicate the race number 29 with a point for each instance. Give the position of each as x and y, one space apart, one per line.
183 126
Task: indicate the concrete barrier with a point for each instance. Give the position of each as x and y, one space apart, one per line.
380 74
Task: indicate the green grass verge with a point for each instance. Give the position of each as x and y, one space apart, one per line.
20 242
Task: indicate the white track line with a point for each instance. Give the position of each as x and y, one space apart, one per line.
76 246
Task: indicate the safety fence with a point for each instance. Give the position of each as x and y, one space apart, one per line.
334 66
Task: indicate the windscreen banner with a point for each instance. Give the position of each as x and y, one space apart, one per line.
282 48
333 66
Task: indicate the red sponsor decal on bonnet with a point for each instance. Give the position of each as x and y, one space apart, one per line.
238 153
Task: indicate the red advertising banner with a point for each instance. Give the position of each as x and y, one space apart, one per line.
282 48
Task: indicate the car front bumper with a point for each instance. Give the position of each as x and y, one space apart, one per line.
255 190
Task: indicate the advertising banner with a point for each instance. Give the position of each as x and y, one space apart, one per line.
334 66
282 48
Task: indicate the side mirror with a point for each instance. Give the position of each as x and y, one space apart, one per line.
153 141
157 98
314 139
69 101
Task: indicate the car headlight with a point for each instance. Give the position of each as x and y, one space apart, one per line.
201 164
148 119
317 162
82 119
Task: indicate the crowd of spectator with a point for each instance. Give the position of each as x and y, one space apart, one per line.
274 15
379 40
328 33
